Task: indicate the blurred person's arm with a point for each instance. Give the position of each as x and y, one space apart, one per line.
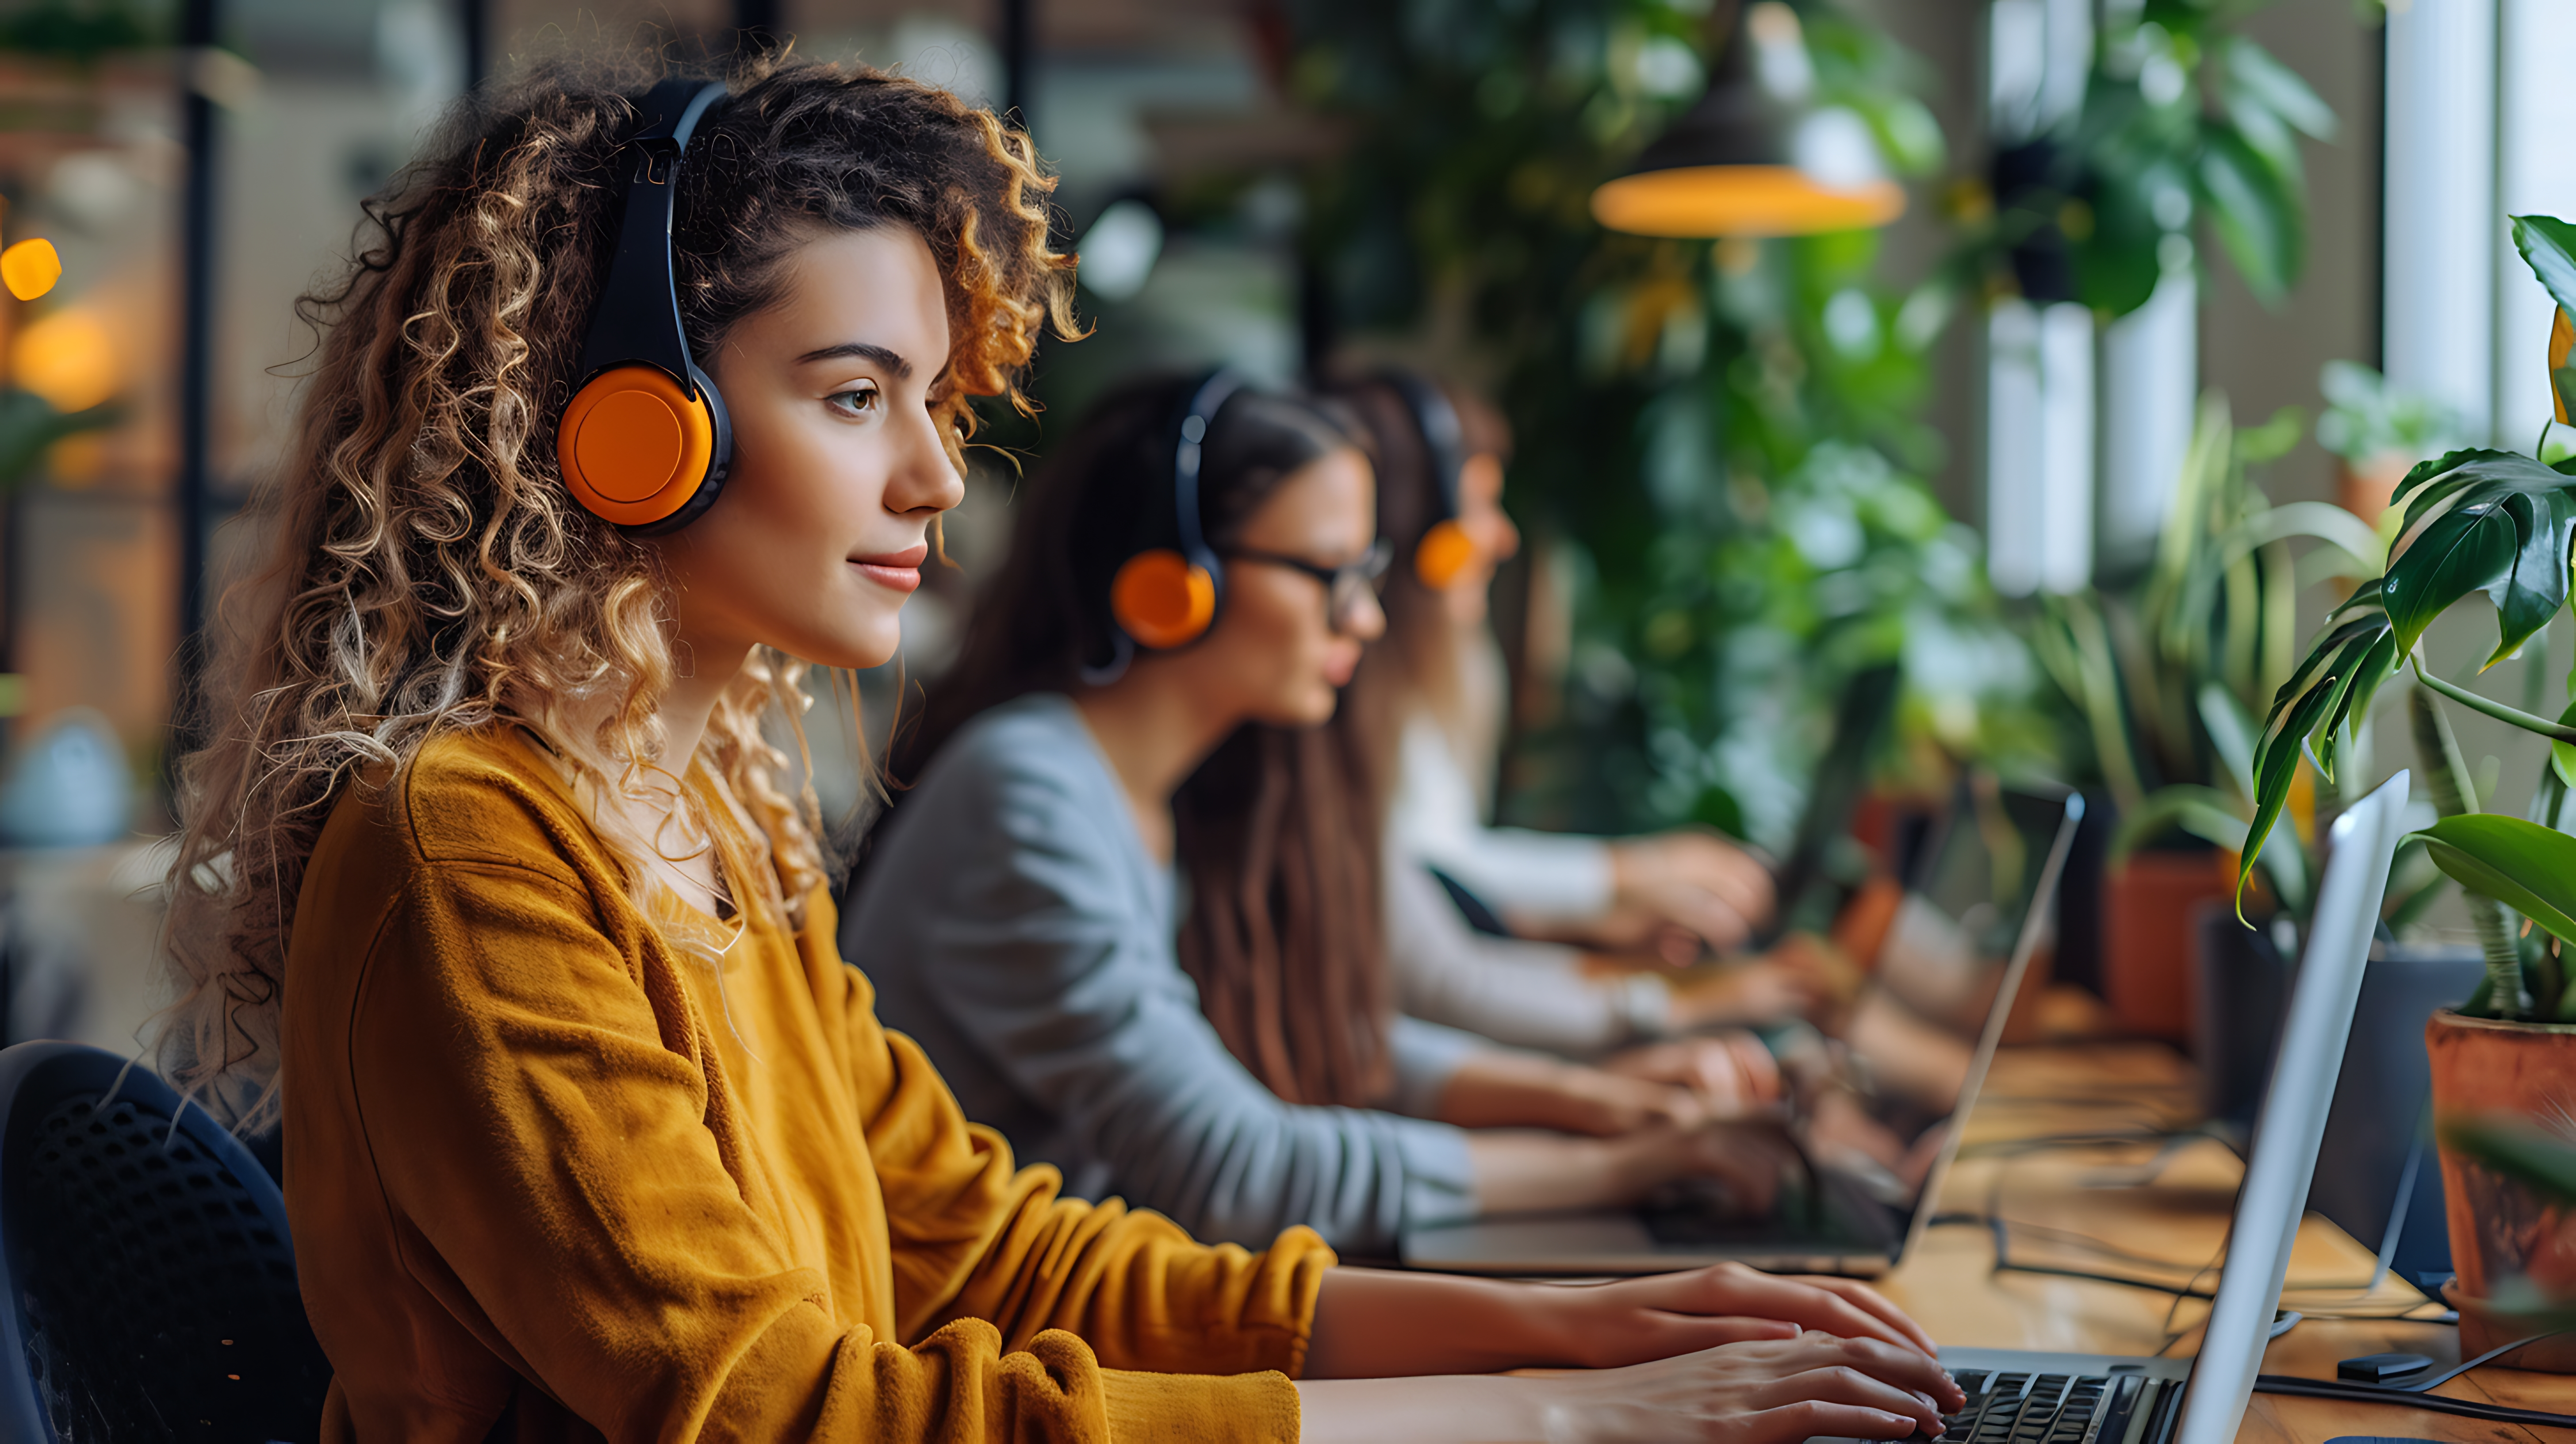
1520 994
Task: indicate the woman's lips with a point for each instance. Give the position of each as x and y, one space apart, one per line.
1339 665
898 570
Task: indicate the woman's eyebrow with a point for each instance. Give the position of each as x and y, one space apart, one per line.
891 360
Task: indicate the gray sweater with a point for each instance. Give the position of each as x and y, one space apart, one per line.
1015 927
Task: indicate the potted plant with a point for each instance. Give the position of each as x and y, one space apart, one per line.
2377 431
2164 677
2497 522
2504 1151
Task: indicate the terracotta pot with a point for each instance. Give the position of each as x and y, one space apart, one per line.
2364 488
2500 1230
2147 942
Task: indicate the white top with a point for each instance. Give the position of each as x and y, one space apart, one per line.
1438 819
1525 994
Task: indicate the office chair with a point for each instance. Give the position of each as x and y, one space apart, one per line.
150 1281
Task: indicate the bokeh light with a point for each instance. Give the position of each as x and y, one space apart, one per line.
30 268
67 358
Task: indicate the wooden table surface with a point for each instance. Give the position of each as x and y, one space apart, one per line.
2044 1150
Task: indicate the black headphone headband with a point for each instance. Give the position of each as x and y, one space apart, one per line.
1443 435
1189 449
637 317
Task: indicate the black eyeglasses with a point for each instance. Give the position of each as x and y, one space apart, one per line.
1345 586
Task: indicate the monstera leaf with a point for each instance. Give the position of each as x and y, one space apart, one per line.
2548 245
2315 709
2476 521
2491 521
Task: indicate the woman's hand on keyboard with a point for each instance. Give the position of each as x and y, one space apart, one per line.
1632 1320
1779 1391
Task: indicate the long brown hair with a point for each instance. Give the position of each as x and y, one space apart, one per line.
1277 831
430 573
1416 666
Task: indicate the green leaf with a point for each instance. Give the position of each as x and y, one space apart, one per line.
2320 520
2490 521
2257 81
2548 246
2562 755
2256 217
2204 812
2232 733
2334 687
2519 1150
2525 866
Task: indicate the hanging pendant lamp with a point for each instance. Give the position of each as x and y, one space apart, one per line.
1746 161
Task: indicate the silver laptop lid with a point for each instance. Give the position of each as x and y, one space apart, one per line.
2293 1121
2038 916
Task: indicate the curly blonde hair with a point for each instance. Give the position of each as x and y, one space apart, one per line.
430 572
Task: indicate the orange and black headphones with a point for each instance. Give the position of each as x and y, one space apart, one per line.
1167 596
645 442
1445 548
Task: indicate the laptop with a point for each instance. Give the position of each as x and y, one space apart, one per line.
2046 1398
1838 1221
1804 884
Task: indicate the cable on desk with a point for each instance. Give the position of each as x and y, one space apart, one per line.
2419 1396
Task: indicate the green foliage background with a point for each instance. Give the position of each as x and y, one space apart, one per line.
1725 438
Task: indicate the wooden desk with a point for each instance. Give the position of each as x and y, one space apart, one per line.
2125 1209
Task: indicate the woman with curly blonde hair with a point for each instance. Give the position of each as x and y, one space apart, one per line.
491 894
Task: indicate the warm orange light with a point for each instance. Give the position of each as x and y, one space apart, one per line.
66 358
30 268
1741 200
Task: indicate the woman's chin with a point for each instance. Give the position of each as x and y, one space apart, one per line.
858 651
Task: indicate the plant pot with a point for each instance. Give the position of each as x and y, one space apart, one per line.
2499 1229
2364 488
2241 998
2494 1327
2147 942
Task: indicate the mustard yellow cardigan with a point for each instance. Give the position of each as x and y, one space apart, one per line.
554 1177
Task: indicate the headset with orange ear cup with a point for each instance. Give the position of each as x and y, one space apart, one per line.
1167 597
1445 550
645 442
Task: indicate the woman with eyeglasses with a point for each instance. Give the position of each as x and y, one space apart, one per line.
1131 904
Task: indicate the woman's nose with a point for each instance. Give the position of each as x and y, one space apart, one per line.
926 477
1366 620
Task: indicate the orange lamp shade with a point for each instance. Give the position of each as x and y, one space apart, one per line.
67 358
30 268
1741 200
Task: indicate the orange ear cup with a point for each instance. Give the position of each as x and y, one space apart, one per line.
1161 599
1443 554
634 445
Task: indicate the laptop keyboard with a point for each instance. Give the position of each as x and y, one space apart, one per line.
2022 1408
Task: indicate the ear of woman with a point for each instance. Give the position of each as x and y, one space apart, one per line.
1287 639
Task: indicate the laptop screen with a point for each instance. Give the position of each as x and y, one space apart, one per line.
1983 907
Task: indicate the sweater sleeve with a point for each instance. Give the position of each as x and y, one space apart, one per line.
560 1186
1039 942
1527 995
1435 818
975 1237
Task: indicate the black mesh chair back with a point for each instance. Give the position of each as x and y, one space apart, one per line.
151 1283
